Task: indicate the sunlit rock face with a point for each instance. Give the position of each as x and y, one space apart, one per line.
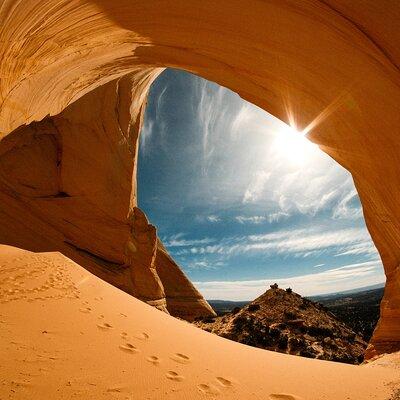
66 184
331 67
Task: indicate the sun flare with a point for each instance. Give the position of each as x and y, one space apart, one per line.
294 146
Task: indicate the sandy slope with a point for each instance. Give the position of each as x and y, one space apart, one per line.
65 334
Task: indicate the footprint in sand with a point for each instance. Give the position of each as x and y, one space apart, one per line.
104 326
154 360
129 348
180 358
124 335
223 381
142 336
174 376
85 310
208 389
283 396
116 389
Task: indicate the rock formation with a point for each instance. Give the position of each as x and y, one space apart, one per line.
66 184
283 321
80 72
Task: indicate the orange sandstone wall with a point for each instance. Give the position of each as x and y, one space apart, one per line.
329 66
66 184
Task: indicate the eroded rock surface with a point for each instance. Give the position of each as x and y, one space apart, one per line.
66 185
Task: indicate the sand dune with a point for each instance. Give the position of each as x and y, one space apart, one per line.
75 76
66 334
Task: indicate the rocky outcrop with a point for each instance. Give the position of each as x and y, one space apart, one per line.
330 67
183 299
284 321
141 251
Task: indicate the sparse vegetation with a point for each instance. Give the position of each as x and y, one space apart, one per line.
274 286
360 310
283 321
253 307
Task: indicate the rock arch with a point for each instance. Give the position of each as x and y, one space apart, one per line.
74 79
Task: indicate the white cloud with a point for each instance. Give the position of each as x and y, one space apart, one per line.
344 209
255 219
277 216
256 187
211 112
179 242
357 249
208 218
297 243
336 279
145 134
258 219
241 119
160 98
153 126
204 265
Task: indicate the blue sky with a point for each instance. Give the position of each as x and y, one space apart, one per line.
241 200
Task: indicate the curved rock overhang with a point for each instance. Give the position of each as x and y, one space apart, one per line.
83 68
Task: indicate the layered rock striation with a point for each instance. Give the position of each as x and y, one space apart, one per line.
67 184
74 80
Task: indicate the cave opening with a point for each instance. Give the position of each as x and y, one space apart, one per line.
241 201
75 79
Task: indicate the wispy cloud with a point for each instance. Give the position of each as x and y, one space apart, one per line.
145 134
364 247
297 243
153 124
277 216
160 98
259 219
202 265
208 218
345 208
205 265
255 219
211 112
256 187
341 278
180 242
241 119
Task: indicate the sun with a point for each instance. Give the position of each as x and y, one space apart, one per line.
294 146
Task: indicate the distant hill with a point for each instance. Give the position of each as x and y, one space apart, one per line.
222 307
359 310
284 321
347 292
